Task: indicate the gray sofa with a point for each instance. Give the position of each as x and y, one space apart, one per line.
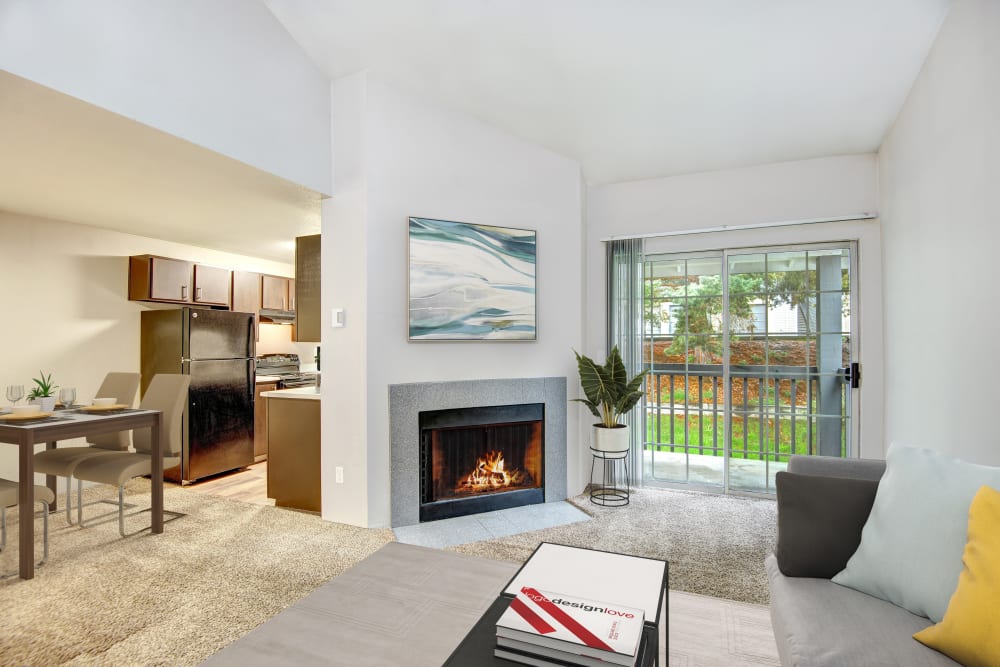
819 623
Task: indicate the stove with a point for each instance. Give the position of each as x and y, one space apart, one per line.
286 368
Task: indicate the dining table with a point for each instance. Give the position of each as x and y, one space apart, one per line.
66 424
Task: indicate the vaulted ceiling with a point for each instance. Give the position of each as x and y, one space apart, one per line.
642 88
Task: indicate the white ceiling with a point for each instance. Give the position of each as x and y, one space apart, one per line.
642 88
69 160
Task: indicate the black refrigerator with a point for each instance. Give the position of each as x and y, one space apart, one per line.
216 348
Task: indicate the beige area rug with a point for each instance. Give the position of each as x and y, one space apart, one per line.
715 544
411 605
226 567
169 599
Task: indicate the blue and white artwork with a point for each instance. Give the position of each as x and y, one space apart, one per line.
471 282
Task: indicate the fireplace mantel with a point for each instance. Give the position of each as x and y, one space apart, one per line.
407 401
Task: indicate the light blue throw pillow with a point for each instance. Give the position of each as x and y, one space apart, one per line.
911 547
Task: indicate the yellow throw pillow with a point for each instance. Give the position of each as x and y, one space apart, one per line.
970 629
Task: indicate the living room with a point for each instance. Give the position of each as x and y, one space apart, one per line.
885 135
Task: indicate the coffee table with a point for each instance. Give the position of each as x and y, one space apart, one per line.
630 581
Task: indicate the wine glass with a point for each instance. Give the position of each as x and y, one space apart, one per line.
67 396
15 392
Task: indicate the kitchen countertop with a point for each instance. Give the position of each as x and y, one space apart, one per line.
266 378
308 393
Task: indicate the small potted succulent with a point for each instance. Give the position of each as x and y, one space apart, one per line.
610 394
43 392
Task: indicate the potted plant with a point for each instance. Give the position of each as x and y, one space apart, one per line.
609 395
42 392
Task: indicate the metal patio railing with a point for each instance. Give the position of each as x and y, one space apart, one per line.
777 403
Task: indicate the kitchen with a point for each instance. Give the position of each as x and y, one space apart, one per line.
127 190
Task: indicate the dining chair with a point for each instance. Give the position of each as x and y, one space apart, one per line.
63 460
8 498
166 393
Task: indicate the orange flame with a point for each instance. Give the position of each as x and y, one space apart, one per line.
490 474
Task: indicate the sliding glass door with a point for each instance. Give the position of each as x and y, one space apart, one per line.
749 354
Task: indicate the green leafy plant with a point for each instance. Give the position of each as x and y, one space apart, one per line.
609 391
43 386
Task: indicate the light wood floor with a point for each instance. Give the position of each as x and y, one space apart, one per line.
248 485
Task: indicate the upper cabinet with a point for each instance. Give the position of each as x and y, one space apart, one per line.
274 293
246 292
153 278
211 285
307 289
246 296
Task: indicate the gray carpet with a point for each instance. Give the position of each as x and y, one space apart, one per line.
715 544
170 599
226 567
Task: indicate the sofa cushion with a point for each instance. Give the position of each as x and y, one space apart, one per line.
911 546
970 629
820 624
819 522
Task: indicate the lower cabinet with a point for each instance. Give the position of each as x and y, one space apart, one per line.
293 453
260 421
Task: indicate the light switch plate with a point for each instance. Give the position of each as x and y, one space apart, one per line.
339 318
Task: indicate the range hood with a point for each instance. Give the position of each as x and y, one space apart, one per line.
272 316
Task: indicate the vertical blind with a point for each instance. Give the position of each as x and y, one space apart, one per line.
624 297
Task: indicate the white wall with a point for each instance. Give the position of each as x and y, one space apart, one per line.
786 191
345 285
66 308
223 74
418 159
939 173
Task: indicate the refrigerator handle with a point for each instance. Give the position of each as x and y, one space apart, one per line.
251 351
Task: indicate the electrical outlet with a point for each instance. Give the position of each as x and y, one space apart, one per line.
340 474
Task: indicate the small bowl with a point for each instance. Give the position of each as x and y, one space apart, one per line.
103 402
26 409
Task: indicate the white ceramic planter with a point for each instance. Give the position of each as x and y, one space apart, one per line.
610 439
47 404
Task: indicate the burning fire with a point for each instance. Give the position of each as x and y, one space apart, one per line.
490 474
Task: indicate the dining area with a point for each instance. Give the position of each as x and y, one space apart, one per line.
122 441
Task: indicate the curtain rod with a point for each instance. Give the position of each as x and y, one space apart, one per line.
731 228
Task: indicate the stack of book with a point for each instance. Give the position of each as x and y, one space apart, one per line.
542 628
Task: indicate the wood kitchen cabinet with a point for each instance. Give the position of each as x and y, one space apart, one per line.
260 421
153 278
246 296
246 292
211 285
293 453
274 293
307 288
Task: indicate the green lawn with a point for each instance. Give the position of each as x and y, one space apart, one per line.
700 431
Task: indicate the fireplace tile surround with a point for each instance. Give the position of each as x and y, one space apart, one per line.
407 401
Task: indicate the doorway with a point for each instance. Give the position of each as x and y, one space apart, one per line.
749 354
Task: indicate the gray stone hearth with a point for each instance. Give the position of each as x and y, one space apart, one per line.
407 401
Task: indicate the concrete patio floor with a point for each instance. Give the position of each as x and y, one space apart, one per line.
707 471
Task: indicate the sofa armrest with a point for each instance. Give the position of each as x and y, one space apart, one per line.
830 466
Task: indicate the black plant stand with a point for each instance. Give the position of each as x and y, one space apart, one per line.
613 491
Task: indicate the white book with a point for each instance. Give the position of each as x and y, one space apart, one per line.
525 659
518 647
575 626
534 660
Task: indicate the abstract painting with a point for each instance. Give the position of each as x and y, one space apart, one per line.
471 282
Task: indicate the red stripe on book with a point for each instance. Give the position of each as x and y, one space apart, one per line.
533 619
570 623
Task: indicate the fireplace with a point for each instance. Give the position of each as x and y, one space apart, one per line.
480 459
